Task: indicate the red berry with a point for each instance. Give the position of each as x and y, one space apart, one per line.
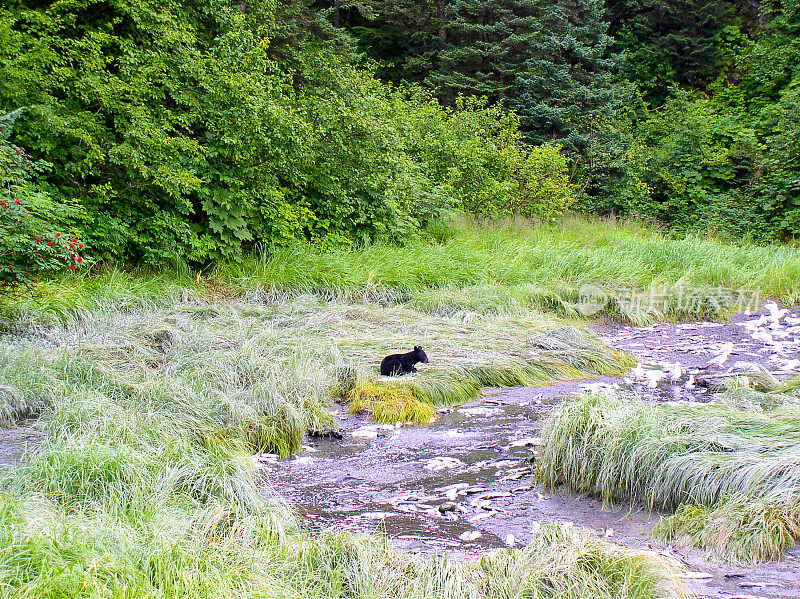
38 240
58 234
72 267
49 243
71 245
80 259
80 246
36 280
17 202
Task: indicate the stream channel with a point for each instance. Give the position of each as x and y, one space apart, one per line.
464 484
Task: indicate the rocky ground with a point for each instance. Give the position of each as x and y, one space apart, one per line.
464 484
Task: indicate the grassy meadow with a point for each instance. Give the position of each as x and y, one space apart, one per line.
152 391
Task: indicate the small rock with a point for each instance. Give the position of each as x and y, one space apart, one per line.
376 515
482 516
453 494
442 463
527 442
697 575
510 540
447 507
480 411
470 535
505 463
330 434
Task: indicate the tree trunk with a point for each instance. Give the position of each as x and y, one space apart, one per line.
440 6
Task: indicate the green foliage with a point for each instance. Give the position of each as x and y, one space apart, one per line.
197 132
690 165
403 37
724 161
31 245
667 42
492 174
485 45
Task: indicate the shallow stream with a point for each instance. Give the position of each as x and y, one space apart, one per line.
464 484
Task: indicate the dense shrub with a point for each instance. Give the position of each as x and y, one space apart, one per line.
195 131
30 242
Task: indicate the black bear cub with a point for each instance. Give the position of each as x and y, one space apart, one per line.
398 364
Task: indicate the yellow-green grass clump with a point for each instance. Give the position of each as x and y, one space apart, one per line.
389 404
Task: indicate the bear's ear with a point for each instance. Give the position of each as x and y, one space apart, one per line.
418 347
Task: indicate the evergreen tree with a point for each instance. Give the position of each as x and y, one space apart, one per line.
672 41
566 90
484 46
401 36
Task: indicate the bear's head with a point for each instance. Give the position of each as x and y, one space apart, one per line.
421 356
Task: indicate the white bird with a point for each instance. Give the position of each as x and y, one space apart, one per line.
775 314
754 325
638 372
764 337
676 372
719 360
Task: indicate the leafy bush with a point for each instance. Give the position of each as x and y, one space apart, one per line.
198 131
29 245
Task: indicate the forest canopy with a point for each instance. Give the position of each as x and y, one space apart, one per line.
198 131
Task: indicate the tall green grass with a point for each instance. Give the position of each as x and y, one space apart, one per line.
143 484
505 268
732 474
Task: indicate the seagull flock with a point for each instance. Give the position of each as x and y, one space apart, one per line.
777 344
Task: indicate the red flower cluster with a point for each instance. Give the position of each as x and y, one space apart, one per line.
49 251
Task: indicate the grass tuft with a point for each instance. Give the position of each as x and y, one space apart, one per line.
389 404
732 474
566 562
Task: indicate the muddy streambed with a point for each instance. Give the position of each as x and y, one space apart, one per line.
464 484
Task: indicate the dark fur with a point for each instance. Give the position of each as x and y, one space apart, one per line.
398 364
